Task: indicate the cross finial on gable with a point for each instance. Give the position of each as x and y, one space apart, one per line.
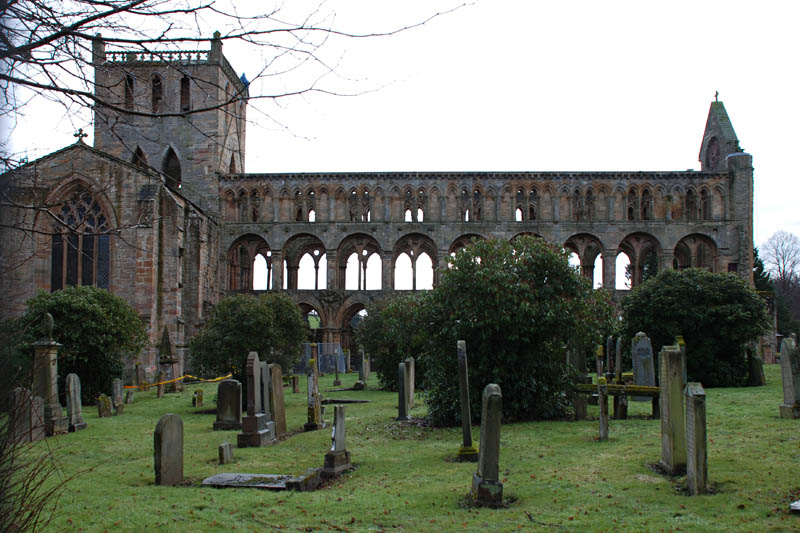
80 135
716 96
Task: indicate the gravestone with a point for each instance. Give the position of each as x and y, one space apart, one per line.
74 406
598 358
295 384
314 407
257 430
364 365
266 404
103 406
168 450
225 453
276 399
129 396
602 400
336 381
361 384
141 378
673 416
160 388
618 361
45 380
410 383
27 413
348 368
610 353
197 398
620 400
229 405
643 369
168 363
116 396
487 489
696 447
337 460
402 393
790 377
467 452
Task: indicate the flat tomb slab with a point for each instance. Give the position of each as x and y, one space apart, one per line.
308 481
328 401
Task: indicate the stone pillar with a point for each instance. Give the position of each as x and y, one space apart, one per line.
116 396
45 385
696 448
673 424
610 354
74 405
168 450
257 430
410 383
337 460
331 270
276 399
402 398
314 407
486 486
598 359
467 452
602 400
609 269
277 270
790 377
667 257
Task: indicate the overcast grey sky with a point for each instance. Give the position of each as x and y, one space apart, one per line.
528 85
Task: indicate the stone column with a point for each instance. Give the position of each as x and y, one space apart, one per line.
602 400
74 405
277 270
696 448
410 383
673 424
609 269
486 486
337 460
387 279
314 408
45 385
467 452
402 398
332 271
667 256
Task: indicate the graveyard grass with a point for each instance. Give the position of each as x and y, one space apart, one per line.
404 478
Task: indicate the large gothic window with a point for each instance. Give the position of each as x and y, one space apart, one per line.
80 248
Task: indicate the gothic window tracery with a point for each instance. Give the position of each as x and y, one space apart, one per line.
705 205
156 93
647 205
80 246
691 205
477 205
533 204
632 207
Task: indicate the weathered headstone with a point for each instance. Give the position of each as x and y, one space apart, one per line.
643 366
257 430
225 453
103 406
314 406
141 378
197 398
610 353
402 393
790 377
673 423
467 452
116 396
618 361
410 383
129 396
74 406
27 413
602 400
337 460
295 384
361 384
696 448
168 450
161 385
229 405
276 399
336 381
364 364
45 380
487 489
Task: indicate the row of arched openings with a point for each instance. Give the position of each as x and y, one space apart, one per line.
158 93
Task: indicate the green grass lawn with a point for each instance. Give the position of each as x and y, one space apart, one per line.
405 479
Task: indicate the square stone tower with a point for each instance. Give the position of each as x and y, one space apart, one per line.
182 113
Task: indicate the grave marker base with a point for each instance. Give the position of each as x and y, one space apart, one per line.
467 454
335 464
487 493
790 411
78 427
305 482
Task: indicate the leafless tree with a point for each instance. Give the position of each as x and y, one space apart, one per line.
782 258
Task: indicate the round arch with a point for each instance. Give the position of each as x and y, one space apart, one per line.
241 254
696 250
364 246
644 252
295 249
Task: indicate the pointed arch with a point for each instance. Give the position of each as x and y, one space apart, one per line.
171 167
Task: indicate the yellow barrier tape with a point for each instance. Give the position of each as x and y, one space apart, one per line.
179 379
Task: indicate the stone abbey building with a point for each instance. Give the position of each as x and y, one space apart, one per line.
161 212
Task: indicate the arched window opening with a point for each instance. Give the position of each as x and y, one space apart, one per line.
262 273
156 93
597 275
403 273
242 205
407 215
533 204
420 214
139 158
172 169
245 279
632 205
128 89
575 261
312 271
374 273
466 215
624 274
313 319
691 205
518 214
232 165
424 272
477 204
285 274
705 205
298 217
186 98
255 206
369 215
80 249
589 207
352 275
312 215
647 205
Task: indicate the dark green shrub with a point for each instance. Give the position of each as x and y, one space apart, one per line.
717 314
518 305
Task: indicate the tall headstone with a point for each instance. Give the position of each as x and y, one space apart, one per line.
257 430
74 405
161 386
364 364
103 406
116 396
790 377
336 381
45 379
402 393
602 400
229 405
276 399
598 357
129 396
643 366
610 353
673 416
141 378
618 361
295 384
168 450
410 381
487 489
27 414
696 446
755 368
467 452
337 459
314 403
